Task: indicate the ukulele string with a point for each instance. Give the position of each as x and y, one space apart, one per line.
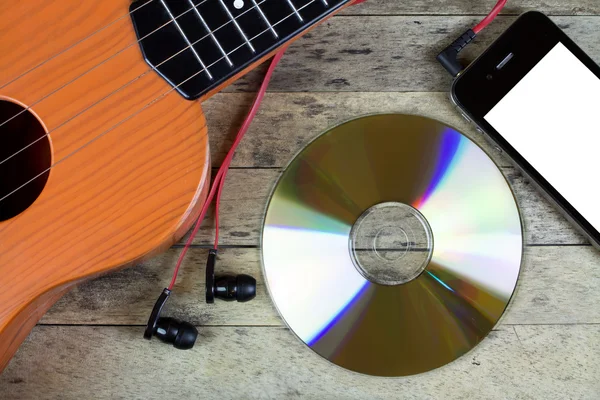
160 97
112 57
75 44
122 87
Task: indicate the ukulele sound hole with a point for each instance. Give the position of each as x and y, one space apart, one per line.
20 160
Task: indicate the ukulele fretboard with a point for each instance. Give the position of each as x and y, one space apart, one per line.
198 44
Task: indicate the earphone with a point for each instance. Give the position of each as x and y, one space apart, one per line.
242 288
182 334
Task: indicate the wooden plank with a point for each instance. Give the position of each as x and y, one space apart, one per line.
287 122
389 53
526 362
247 191
456 7
558 285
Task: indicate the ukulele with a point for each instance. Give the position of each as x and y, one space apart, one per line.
104 159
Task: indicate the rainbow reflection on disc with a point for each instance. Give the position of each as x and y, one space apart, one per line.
391 245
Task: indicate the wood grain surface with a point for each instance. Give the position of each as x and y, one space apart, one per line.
470 7
376 57
391 53
514 362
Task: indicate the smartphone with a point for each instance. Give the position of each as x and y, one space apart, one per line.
536 96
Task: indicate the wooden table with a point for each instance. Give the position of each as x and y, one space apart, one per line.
376 57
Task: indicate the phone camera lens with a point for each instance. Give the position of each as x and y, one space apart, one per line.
489 77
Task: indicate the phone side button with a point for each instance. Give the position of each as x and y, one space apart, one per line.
465 117
478 129
498 149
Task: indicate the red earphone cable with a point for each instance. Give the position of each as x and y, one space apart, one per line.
217 185
490 17
217 206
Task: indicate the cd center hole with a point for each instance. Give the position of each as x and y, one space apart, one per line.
391 243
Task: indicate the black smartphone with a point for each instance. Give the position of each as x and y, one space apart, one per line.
536 96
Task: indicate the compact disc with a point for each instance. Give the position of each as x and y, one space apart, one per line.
391 245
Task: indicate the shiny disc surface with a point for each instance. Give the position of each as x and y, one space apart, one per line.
446 215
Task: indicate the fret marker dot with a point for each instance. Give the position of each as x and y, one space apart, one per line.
238 4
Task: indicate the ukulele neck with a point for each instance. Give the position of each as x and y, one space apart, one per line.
197 45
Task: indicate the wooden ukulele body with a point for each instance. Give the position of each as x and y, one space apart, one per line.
130 193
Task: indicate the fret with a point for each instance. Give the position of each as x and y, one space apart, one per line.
237 26
265 19
303 3
311 9
252 24
211 34
295 11
202 36
283 16
176 23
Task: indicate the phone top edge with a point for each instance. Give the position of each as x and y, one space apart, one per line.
507 32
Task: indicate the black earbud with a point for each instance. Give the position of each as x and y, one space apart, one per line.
241 287
180 333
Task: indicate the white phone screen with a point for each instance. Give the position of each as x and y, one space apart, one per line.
552 119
